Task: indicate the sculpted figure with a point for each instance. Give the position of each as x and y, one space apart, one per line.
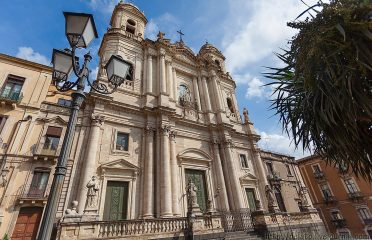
191 194
92 193
269 196
245 114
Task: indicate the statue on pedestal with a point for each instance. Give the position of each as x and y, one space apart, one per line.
92 194
272 207
192 199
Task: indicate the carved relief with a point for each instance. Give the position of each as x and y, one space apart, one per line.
165 129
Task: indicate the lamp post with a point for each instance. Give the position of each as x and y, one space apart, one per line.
80 31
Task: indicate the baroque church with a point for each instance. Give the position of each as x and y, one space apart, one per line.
170 133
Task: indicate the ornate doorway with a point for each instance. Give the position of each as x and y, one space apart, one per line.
198 178
116 201
27 223
251 198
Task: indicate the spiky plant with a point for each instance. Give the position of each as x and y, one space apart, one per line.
324 90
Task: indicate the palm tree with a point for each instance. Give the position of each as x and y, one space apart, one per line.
324 91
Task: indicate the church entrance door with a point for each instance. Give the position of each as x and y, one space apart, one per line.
251 198
116 201
198 178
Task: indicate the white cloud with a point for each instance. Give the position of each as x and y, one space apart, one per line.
261 28
165 23
29 54
93 74
104 6
255 88
280 143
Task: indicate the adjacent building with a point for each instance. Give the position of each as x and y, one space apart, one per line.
343 200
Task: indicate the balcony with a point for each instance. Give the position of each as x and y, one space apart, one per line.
274 176
367 221
33 194
330 199
10 98
339 223
355 196
46 153
319 175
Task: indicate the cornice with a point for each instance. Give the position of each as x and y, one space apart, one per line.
26 63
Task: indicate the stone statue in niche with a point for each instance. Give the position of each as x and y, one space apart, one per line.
245 114
191 194
92 194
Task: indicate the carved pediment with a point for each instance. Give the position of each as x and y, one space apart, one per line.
248 177
194 155
119 165
56 119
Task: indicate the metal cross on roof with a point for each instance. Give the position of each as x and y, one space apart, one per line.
181 34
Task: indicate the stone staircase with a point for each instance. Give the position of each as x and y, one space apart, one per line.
242 235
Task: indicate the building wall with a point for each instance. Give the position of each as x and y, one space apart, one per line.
346 206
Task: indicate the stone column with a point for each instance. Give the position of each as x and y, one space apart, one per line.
202 99
89 164
234 178
170 89
149 73
148 189
175 84
206 94
196 91
165 177
163 82
224 202
215 89
175 177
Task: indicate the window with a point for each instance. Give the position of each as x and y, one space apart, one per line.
12 88
336 215
230 105
325 190
317 169
64 102
122 141
270 168
364 213
289 172
351 186
52 137
2 122
39 183
243 161
184 95
131 26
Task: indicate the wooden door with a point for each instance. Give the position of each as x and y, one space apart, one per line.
198 178
116 201
251 198
27 223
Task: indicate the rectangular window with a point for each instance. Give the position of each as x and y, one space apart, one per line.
364 213
122 141
325 190
289 172
52 138
316 169
335 215
12 88
270 168
243 161
2 122
64 102
38 184
351 186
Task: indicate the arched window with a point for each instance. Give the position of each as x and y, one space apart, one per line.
130 73
184 94
131 26
230 105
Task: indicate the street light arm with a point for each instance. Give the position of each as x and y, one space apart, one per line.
101 87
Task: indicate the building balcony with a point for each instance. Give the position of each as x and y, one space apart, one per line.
367 221
319 175
11 98
339 223
355 196
29 193
46 153
330 199
274 176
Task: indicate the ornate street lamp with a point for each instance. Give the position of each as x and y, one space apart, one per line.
80 32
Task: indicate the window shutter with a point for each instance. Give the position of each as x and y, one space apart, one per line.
54 131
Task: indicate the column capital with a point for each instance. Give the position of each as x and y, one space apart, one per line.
229 143
165 129
97 120
149 130
172 135
162 52
215 141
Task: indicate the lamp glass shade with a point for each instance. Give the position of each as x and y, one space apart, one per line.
116 67
80 29
62 62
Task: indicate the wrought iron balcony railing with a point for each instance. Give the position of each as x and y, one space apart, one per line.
355 195
42 149
15 97
33 192
339 223
330 199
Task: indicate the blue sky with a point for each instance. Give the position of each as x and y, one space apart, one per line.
248 32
